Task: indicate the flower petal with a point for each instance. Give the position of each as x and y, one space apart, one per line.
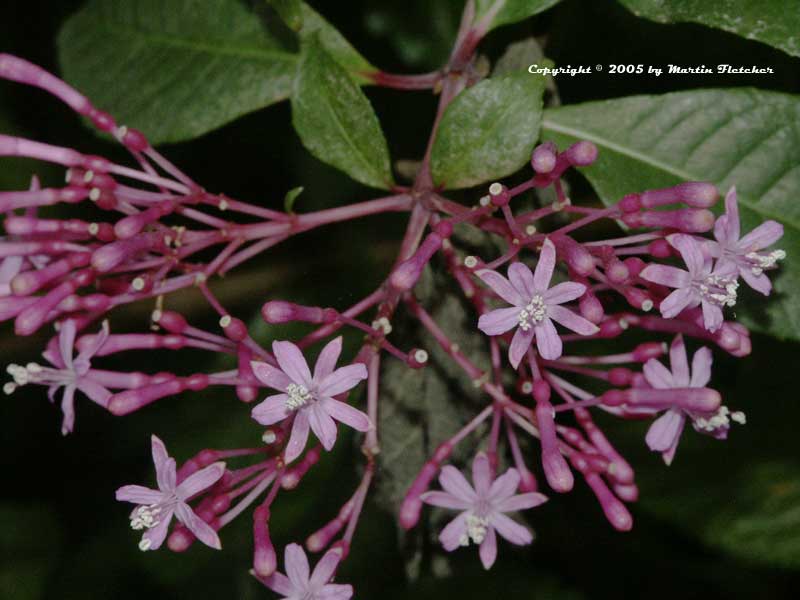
200 480
510 529
156 535
666 275
712 316
343 412
522 502
325 568
335 591
68 408
278 583
296 566
547 341
563 292
66 341
455 483
657 375
571 321
544 267
342 380
326 361
138 494
759 283
269 375
499 321
690 251
95 344
292 362
453 532
201 530
672 305
727 228
701 367
501 286
664 430
94 391
445 500
322 425
481 474
519 345
271 410
488 548
165 466
679 362
298 437
521 278
762 236
504 486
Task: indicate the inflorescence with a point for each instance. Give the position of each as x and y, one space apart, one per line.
673 277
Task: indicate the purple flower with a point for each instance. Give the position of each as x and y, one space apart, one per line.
665 432
534 307
701 285
157 507
300 584
309 398
483 508
745 254
71 374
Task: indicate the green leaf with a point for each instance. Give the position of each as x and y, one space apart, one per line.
335 43
335 121
488 131
290 197
518 56
743 137
509 11
772 22
177 69
291 11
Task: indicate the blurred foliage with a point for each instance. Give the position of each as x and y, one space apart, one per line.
722 522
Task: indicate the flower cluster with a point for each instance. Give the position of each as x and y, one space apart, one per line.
540 303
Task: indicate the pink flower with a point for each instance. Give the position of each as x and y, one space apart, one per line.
665 432
71 374
745 254
300 584
699 286
483 508
309 398
534 307
157 507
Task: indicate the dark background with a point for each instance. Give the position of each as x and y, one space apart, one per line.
63 536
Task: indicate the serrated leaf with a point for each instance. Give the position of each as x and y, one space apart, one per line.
177 69
510 11
291 11
743 137
772 22
488 131
335 121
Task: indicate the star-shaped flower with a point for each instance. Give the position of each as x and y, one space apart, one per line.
746 254
482 507
702 285
67 372
157 507
309 398
535 306
665 432
300 584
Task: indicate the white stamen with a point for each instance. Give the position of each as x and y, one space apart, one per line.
269 437
476 530
383 325
9 387
223 204
145 544
534 312
421 356
470 262
94 194
647 305
137 284
88 176
225 321
495 189
298 396
93 229
485 200
527 387
530 229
